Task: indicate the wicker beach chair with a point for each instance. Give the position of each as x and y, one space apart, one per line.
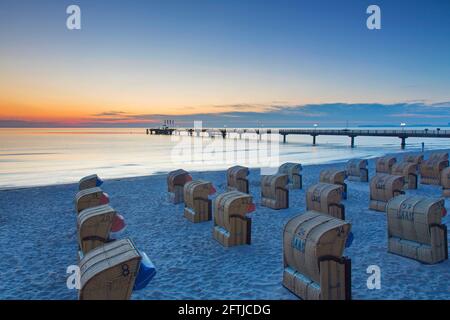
408 170
88 182
314 268
274 191
232 226
430 169
197 206
326 198
383 187
89 198
334 176
415 228
113 270
293 170
237 179
445 181
357 170
384 164
175 184
416 159
95 226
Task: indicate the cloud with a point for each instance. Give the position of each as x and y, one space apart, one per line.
416 115
445 104
109 114
243 107
248 115
332 114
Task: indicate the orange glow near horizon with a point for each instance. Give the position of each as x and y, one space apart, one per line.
29 99
70 113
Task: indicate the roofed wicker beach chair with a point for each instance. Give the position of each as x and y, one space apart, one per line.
384 187
112 271
384 164
430 169
89 182
294 172
197 205
416 159
232 226
357 170
237 179
326 198
335 176
95 226
175 184
415 228
445 181
314 265
89 198
274 191
408 170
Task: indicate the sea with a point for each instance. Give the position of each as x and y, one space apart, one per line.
48 156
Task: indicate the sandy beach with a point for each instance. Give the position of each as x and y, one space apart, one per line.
38 242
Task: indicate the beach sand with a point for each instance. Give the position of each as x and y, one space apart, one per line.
38 242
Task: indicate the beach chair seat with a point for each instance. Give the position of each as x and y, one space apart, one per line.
237 179
415 228
113 270
293 171
326 198
383 187
335 176
430 169
384 164
274 191
408 170
416 159
89 198
445 181
357 170
95 226
232 226
197 205
89 182
314 266
175 185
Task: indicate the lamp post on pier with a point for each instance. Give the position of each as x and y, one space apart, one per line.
314 135
403 137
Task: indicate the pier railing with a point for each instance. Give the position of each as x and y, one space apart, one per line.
359 132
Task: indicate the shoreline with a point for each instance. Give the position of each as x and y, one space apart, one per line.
331 162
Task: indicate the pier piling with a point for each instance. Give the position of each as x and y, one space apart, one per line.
403 144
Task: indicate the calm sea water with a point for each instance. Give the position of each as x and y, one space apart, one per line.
34 157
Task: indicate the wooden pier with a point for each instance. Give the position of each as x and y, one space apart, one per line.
402 134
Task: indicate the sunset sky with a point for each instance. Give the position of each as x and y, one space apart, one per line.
141 61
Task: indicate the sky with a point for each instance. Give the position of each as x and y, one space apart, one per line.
285 62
